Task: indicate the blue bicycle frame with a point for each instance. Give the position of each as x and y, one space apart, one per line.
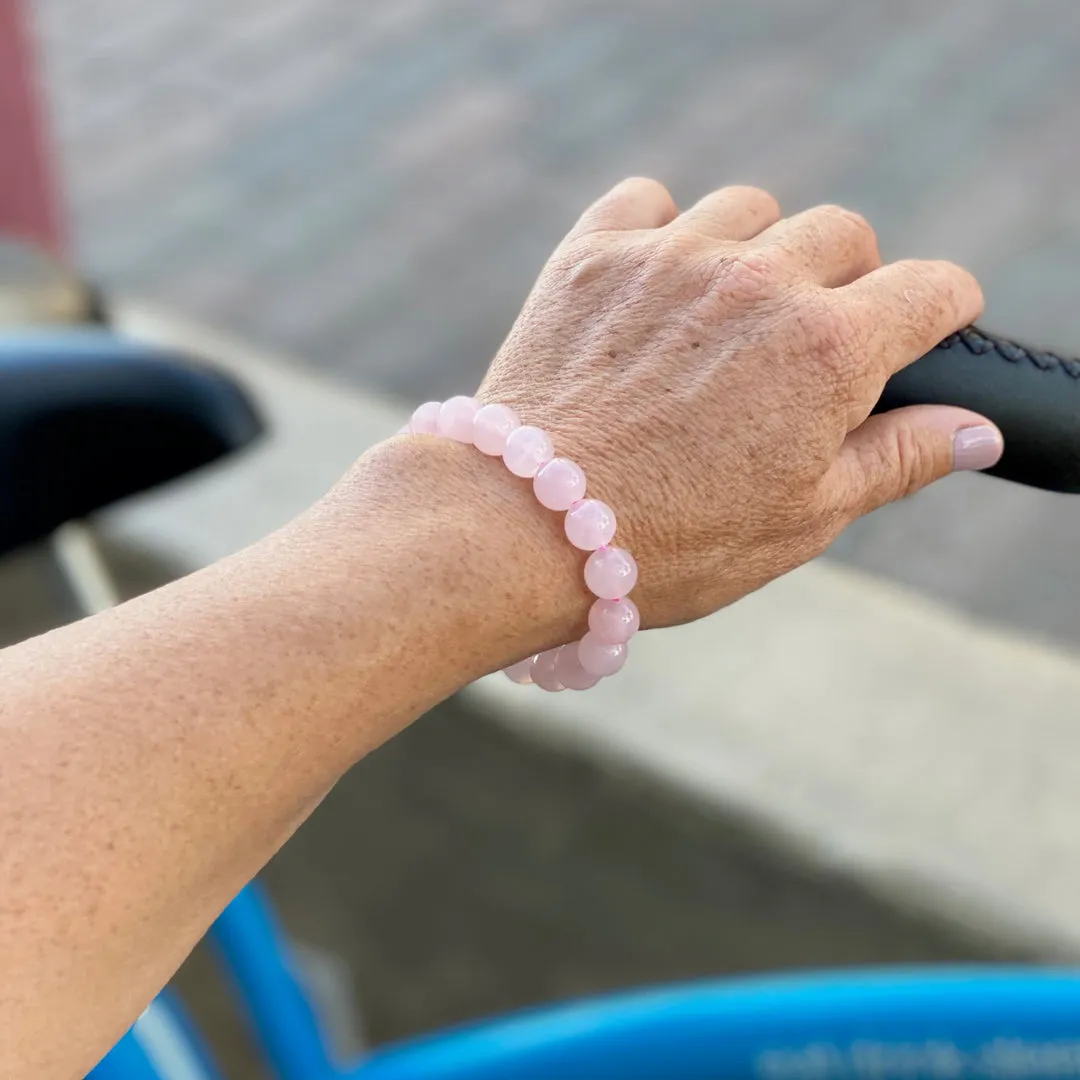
973 1023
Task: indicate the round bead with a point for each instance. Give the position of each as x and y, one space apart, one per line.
600 657
491 426
590 524
543 672
425 419
528 449
456 418
520 672
610 573
559 484
569 672
615 621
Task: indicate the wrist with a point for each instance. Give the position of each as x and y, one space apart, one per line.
495 577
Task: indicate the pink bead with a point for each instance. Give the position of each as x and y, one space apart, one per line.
559 484
615 621
543 672
521 672
425 420
600 657
528 449
456 418
610 573
590 524
570 673
491 426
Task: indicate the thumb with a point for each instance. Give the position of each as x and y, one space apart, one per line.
894 454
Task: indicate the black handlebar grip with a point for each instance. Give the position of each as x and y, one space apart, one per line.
1034 397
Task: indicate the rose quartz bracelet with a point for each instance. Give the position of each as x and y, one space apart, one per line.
559 484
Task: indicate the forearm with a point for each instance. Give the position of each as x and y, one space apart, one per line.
711 371
154 757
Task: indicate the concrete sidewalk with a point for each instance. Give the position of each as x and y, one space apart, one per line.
925 754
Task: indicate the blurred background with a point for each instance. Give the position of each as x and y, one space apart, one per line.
370 188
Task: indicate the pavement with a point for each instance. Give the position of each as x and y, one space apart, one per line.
371 188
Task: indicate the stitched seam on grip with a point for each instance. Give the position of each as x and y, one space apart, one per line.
979 344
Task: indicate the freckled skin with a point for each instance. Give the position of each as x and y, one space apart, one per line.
712 372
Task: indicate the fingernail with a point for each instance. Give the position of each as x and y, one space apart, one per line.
977 447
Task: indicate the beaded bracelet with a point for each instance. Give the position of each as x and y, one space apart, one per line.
559 484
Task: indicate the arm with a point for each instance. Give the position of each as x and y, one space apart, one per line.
154 757
712 371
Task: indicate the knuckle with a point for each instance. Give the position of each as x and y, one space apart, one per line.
898 466
918 275
849 232
847 219
679 256
579 263
747 277
932 297
644 185
856 234
914 463
929 281
645 190
672 250
621 207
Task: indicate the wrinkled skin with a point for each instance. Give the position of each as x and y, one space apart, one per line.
713 372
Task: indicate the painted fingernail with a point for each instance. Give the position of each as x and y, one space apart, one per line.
977 447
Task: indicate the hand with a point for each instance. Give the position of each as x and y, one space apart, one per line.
713 372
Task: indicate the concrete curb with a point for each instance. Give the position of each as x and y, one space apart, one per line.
879 733
883 734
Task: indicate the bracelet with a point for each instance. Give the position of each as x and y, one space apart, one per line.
559 484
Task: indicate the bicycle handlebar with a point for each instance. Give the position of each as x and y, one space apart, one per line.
1033 396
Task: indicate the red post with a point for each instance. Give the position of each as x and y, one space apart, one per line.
29 203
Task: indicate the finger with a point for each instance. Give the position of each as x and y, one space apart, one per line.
732 213
894 454
909 306
828 245
636 203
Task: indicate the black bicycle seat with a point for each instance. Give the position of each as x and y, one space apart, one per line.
88 418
